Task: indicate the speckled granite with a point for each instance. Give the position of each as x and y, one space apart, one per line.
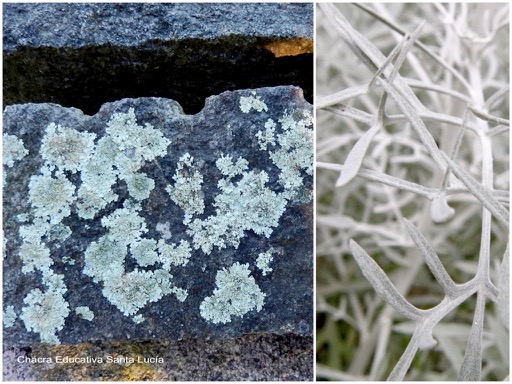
261 357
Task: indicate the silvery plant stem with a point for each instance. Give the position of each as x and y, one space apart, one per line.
412 152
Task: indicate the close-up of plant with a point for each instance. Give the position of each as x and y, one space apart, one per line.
412 191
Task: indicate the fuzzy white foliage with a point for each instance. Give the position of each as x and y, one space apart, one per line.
422 164
355 157
440 211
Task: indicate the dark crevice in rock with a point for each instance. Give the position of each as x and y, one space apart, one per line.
188 71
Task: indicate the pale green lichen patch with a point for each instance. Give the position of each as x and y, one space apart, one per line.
120 155
65 148
138 143
252 102
32 233
177 255
51 197
231 168
267 137
59 232
144 251
164 229
236 294
85 313
263 262
54 282
241 206
139 186
45 314
125 226
35 256
101 253
117 156
13 150
132 291
292 150
9 316
186 191
91 200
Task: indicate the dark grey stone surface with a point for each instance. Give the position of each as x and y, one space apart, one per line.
131 24
221 127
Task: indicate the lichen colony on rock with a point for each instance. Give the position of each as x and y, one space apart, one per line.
134 264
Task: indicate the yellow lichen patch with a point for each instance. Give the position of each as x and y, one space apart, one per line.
290 47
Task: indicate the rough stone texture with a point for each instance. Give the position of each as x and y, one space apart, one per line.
248 358
220 128
132 24
83 55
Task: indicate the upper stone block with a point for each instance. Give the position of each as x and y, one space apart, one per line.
83 55
65 25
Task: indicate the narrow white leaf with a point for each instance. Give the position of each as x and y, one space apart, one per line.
384 179
440 211
352 113
488 117
382 285
355 157
472 365
504 290
415 118
419 44
368 53
341 96
399 371
480 192
407 44
432 260
394 53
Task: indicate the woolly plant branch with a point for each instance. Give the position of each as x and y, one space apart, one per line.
370 153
